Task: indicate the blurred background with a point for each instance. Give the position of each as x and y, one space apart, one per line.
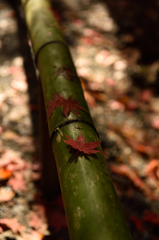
114 46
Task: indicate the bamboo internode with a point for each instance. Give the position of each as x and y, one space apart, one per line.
92 207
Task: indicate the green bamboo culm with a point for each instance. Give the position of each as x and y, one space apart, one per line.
91 204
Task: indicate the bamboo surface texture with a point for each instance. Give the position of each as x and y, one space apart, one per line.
91 204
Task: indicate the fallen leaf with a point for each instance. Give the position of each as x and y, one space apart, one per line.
12 161
92 92
26 142
90 99
81 146
110 82
150 217
140 147
13 224
55 214
1 130
138 182
68 105
6 194
87 41
145 95
102 56
19 79
4 173
155 122
35 176
152 169
36 166
132 105
120 65
127 131
36 221
116 105
138 223
17 182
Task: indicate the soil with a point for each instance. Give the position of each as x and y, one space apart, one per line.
114 46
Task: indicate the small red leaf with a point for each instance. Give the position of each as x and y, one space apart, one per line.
68 104
56 102
81 145
73 106
65 72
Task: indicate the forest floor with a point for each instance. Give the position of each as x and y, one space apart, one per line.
114 45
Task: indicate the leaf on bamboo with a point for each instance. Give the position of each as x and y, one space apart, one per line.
81 146
73 106
65 72
54 103
68 104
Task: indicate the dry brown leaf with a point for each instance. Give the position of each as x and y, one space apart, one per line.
145 95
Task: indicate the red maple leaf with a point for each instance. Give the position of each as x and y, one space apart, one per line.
68 104
56 102
73 106
81 146
65 72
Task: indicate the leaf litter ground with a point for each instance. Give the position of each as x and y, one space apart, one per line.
116 59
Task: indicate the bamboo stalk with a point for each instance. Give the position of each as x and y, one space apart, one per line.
91 204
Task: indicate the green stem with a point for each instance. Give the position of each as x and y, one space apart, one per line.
73 157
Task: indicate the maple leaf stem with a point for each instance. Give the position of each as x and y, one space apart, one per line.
73 157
